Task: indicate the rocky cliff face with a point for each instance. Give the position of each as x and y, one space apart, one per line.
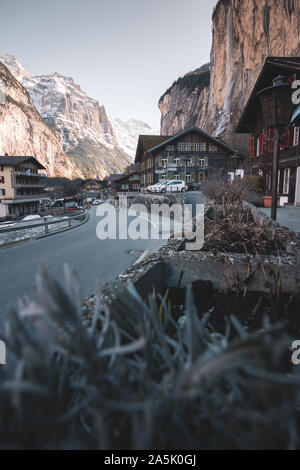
79 123
181 103
245 32
23 131
66 108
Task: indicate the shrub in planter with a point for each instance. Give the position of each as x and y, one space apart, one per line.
136 378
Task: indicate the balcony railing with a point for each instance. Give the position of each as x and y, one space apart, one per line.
27 196
23 173
29 185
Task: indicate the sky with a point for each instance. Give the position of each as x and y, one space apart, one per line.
124 53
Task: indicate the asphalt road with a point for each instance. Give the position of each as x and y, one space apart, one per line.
95 261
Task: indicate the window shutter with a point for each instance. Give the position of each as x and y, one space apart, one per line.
285 139
263 144
252 144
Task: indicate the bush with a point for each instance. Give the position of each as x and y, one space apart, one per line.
221 192
137 379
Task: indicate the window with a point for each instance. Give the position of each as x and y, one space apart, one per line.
170 148
184 146
286 181
1 168
125 186
176 176
163 177
200 147
176 161
213 148
135 186
296 136
164 161
188 177
189 162
2 180
201 162
2 192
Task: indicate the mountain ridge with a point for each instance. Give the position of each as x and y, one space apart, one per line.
76 120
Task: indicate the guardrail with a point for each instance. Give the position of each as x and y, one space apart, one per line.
80 216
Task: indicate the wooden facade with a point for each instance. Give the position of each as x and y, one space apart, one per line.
189 156
127 185
92 189
261 142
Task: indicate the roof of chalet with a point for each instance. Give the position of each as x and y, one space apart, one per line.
85 183
126 175
115 176
215 140
146 142
272 67
15 161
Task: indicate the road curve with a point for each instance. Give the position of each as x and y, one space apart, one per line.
95 261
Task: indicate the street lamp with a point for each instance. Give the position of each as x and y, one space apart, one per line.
277 107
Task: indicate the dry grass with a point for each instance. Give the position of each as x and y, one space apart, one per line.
125 383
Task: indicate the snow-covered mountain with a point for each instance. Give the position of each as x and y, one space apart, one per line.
78 121
14 66
68 109
127 133
24 132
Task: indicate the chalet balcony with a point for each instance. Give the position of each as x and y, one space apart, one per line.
30 196
18 199
33 181
179 168
29 185
23 173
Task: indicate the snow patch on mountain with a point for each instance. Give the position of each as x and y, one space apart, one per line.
127 133
14 66
68 109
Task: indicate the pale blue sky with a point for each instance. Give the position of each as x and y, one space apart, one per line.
123 53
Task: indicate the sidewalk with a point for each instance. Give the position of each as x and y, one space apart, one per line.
286 216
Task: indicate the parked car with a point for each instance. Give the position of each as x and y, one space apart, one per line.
176 186
71 206
58 203
161 187
152 188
